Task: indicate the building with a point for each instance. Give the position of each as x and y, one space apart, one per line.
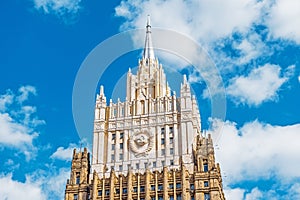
149 147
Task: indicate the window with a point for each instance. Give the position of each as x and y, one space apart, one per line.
115 112
137 165
154 164
75 196
171 186
152 187
171 140
160 187
112 157
163 163
122 111
163 152
162 141
129 166
99 192
192 186
192 198
178 185
206 196
135 189
142 189
120 168
113 147
130 110
178 197
160 198
121 156
171 162
113 136
171 151
121 135
124 190
118 191
106 192
205 167
171 197
162 131
77 178
121 145
205 183
171 130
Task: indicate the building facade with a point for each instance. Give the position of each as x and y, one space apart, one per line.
149 147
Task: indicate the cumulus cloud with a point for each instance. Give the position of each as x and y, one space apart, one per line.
58 7
62 153
40 185
260 85
51 182
12 189
258 151
235 33
18 121
203 20
234 193
283 20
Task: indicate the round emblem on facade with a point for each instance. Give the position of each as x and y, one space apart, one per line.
141 143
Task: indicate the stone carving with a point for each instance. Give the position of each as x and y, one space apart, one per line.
141 143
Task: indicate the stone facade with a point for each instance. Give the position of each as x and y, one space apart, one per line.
149 147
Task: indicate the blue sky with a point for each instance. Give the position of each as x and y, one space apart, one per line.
255 46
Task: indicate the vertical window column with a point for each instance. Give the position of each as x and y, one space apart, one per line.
125 148
111 140
158 141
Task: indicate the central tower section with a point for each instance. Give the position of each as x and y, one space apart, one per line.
153 128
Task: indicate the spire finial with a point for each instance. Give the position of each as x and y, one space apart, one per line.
148 49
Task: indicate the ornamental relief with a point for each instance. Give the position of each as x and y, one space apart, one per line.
141 143
98 126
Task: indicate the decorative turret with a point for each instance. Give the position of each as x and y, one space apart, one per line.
76 188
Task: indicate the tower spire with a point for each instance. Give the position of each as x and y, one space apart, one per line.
148 49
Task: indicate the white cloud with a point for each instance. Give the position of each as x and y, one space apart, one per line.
64 153
258 151
59 7
13 133
203 20
19 122
261 84
25 91
40 185
234 194
52 181
283 20
255 194
11 189
213 23
5 100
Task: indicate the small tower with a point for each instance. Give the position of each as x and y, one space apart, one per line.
77 185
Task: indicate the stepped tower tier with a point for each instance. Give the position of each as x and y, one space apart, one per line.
153 128
150 146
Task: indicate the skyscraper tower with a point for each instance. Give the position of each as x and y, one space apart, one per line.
149 147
